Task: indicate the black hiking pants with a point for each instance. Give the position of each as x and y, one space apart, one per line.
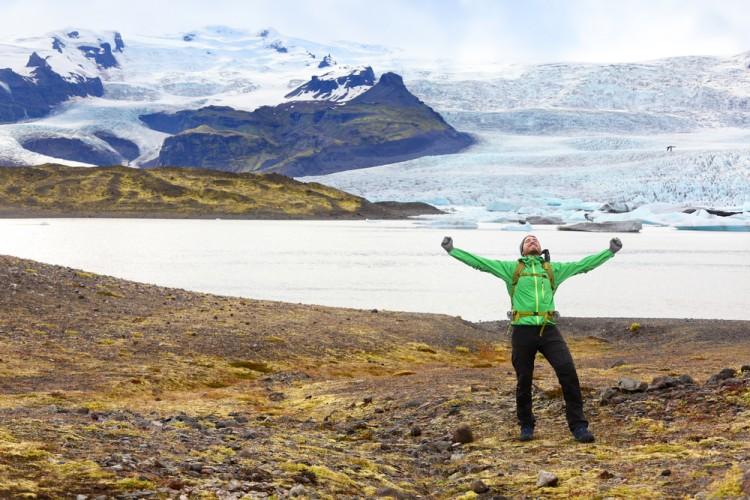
526 343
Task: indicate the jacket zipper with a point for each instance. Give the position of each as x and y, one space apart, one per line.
536 288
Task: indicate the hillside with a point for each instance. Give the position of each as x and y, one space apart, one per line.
128 390
384 124
54 190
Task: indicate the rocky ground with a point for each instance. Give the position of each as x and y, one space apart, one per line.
110 388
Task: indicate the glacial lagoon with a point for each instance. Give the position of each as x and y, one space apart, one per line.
397 265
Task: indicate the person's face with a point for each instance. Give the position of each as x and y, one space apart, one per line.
531 246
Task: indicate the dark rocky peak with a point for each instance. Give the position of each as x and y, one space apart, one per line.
57 44
35 61
188 37
390 89
101 54
363 77
327 62
119 43
264 33
73 34
278 47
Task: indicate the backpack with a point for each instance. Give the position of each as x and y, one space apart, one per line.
519 269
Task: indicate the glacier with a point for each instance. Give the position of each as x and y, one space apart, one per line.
558 139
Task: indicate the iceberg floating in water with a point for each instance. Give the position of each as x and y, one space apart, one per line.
502 206
449 223
739 228
627 226
517 227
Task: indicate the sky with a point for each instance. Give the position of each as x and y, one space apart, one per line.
463 31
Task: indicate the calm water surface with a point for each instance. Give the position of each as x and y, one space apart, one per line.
396 265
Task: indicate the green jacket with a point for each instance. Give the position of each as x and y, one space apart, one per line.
533 293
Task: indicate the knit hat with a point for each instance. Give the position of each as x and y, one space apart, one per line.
520 248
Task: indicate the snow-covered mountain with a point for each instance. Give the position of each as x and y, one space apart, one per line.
562 139
145 74
585 134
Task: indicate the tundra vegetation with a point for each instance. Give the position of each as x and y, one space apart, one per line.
121 389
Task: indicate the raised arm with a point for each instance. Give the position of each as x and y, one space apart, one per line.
564 270
501 269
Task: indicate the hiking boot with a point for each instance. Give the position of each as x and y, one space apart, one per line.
527 433
583 435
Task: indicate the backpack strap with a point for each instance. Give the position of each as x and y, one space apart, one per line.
519 269
548 268
516 274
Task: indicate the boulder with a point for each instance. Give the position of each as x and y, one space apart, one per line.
724 374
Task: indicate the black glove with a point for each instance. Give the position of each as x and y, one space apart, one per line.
447 244
615 245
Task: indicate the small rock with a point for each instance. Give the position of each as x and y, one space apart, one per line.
462 434
261 486
306 477
456 457
479 487
455 410
367 400
439 446
415 431
276 396
665 472
546 479
249 434
81 497
607 395
745 368
659 383
297 491
631 385
234 485
619 362
389 492
746 483
479 388
605 474
175 484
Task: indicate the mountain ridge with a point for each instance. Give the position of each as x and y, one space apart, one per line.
384 124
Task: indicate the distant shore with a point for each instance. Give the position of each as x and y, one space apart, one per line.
56 191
